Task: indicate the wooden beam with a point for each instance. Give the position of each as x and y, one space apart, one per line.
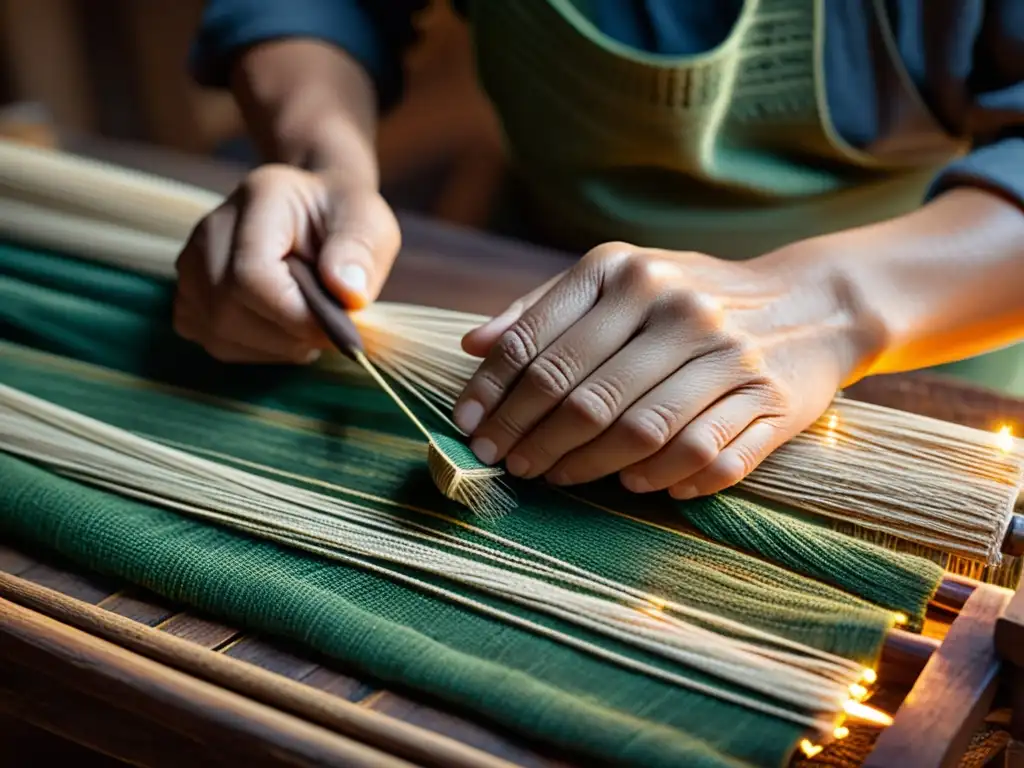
934 725
38 650
409 742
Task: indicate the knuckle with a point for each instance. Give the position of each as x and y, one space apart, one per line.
697 308
509 424
701 449
650 428
264 177
609 251
730 469
553 375
595 404
518 347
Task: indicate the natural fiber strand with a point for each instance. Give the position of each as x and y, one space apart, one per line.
111 458
944 488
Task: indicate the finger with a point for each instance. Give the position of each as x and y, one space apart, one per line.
260 280
230 352
187 317
360 249
555 373
238 326
737 460
554 313
202 263
698 444
597 403
654 420
479 341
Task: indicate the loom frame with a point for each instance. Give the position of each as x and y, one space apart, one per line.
131 677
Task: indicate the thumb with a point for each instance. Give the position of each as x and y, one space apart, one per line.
479 341
362 242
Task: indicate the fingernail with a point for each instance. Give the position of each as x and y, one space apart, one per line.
683 493
353 277
517 465
468 415
637 483
484 449
561 477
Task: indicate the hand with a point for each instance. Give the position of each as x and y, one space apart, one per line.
235 294
679 370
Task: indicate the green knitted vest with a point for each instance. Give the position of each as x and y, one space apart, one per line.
731 152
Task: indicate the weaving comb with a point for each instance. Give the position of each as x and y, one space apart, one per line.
456 472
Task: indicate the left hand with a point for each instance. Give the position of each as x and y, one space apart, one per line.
679 370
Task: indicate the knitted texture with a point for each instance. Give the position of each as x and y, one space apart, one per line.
730 152
117 360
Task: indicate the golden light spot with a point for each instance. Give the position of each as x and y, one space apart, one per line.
869 714
1004 438
869 676
900 619
809 749
841 732
858 691
831 439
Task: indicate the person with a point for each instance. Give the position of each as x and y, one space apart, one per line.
776 198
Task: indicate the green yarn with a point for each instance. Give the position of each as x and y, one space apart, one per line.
116 359
457 451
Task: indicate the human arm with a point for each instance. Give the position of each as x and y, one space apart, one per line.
682 371
311 106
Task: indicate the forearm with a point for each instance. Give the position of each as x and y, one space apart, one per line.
307 103
938 285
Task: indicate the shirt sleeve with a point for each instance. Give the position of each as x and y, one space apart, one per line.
375 34
994 116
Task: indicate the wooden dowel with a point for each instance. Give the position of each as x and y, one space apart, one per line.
111 676
953 592
904 655
401 739
1013 541
409 741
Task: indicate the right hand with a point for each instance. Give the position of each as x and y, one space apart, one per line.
235 294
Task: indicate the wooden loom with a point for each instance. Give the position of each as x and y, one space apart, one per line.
239 710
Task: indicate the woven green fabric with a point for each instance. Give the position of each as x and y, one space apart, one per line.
63 306
110 333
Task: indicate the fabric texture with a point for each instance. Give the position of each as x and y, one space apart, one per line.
98 341
963 57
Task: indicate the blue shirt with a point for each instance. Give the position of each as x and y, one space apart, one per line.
966 58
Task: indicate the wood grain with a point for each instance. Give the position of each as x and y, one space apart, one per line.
1010 631
953 693
421 746
253 734
465 731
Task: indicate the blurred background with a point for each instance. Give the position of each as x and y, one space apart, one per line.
109 78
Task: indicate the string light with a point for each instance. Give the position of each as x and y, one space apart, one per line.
1004 438
858 691
861 711
900 619
809 749
869 676
841 732
830 434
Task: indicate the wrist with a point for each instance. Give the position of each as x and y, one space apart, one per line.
310 105
821 272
